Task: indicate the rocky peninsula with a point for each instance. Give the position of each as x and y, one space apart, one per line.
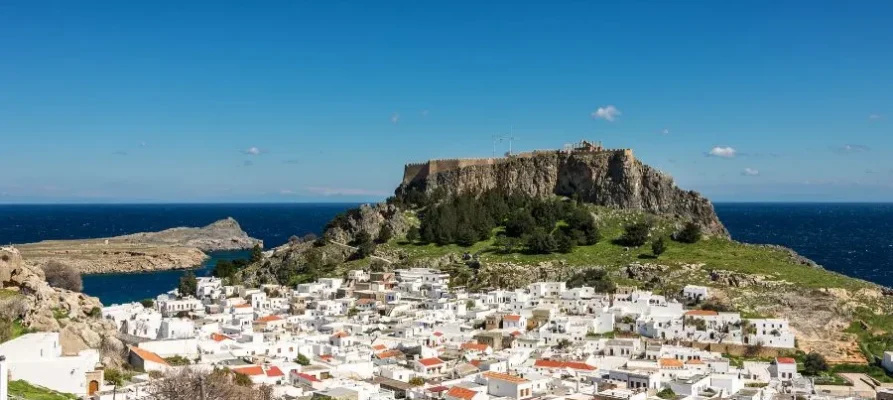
175 248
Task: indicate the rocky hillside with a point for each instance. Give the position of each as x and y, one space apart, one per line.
611 178
26 297
175 248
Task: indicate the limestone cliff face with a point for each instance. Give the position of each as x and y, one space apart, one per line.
225 234
607 178
28 298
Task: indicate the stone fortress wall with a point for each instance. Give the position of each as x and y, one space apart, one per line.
420 171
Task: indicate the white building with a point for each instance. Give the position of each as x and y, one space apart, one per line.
37 358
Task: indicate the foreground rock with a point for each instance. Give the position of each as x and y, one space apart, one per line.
29 299
175 248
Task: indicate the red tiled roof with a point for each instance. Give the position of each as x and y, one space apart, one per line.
516 333
703 313
363 302
785 360
476 363
253 370
274 371
307 377
461 392
669 363
543 363
325 357
219 338
147 355
694 361
429 362
389 354
268 318
474 346
243 306
379 347
437 389
511 318
438 334
340 334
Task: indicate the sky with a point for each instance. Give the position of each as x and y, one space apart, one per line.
233 101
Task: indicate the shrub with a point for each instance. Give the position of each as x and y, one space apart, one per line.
564 241
635 235
293 239
690 233
412 234
417 381
257 253
596 278
63 276
302 359
658 247
667 394
814 364
385 234
95 312
148 303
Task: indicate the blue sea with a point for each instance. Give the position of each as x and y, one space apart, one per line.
855 239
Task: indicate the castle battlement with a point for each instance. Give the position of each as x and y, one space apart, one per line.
421 170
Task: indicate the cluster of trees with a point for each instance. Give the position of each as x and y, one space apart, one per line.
596 278
537 225
220 384
638 234
63 276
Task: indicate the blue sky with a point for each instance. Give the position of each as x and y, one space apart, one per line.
325 101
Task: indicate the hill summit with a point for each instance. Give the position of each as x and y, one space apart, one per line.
587 171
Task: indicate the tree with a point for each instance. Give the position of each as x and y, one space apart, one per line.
63 276
417 381
385 234
466 237
658 247
667 394
814 364
302 359
241 379
635 235
541 242
148 303
596 278
506 244
412 235
257 253
564 241
188 284
690 233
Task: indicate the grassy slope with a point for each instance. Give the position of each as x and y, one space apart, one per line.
714 253
31 392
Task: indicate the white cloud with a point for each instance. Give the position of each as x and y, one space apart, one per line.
851 148
286 192
333 191
665 131
395 118
142 144
607 113
252 151
723 151
750 172
874 116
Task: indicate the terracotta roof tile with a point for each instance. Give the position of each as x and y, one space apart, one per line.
437 389
544 363
307 377
505 377
379 347
389 354
147 355
430 362
474 346
274 372
669 363
785 360
219 338
694 361
701 313
515 318
461 392
253 370
268 318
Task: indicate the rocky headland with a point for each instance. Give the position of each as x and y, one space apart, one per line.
176 248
